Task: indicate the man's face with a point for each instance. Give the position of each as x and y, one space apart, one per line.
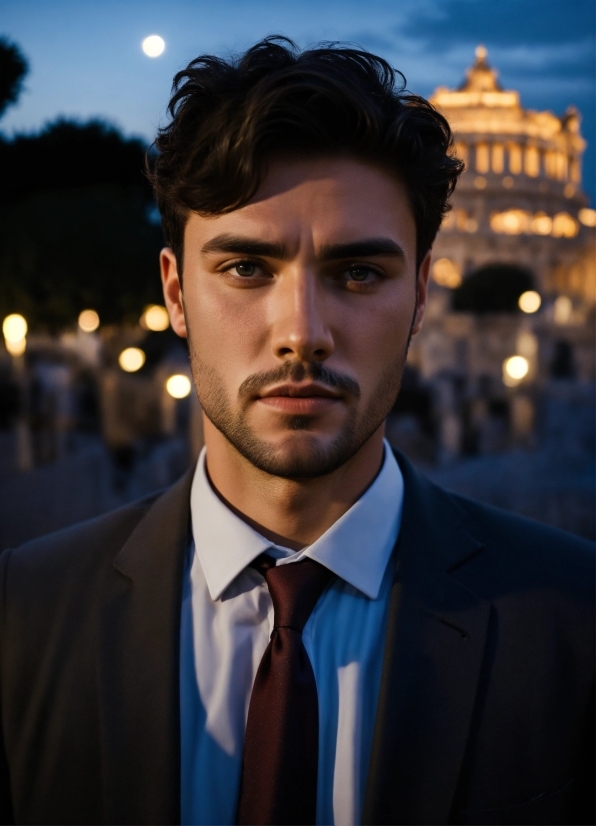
299 308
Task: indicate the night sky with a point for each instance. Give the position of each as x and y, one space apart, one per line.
86 60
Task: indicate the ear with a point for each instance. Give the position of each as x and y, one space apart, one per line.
172 291
421 292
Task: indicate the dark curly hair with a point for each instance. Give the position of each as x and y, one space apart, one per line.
229 118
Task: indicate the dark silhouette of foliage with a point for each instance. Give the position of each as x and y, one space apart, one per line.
494 288
76 228
66 155
13 68
65 250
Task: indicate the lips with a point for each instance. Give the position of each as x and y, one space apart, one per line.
300 391
300 399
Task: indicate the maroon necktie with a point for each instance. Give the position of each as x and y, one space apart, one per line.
279 769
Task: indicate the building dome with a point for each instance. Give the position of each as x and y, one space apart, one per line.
520 198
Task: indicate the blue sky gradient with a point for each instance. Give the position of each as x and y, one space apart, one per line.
86 59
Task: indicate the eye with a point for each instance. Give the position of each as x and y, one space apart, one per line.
360 274
245 268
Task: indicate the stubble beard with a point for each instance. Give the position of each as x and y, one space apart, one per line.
306 457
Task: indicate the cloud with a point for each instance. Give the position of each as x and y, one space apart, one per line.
503 23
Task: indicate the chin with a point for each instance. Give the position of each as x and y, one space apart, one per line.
298 455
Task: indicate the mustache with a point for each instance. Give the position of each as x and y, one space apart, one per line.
298 372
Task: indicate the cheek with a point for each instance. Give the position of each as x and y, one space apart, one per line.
375 336
225 326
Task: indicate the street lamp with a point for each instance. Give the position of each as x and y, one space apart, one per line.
131 359
178 386
515 368
529 302
14 329
155 318
88 321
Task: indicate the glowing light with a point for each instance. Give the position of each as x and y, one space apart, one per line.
563 310
532 162
88 321
529 302
526 344
541 224
508 182
16 348
498 158
587 217
178 386
564 226
511 222
480 182
482 158
155 318
446 273
131 359
14 328
153 45
515 368
569 190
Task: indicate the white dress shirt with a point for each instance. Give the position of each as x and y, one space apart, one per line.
227 619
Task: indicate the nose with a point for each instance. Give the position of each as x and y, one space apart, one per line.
299 327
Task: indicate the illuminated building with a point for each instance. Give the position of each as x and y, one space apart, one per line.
520 199
519 212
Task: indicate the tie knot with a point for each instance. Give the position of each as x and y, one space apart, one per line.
294 588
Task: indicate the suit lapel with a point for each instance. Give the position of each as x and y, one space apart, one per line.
433 657
139 666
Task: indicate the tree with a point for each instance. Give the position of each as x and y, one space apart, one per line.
76 228
69 155
13 68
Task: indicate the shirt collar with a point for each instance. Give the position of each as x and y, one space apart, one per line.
357 547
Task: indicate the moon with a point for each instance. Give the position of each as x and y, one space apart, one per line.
153 45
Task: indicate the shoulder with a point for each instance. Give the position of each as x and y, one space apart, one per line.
539 579
499 524
72 552
508 553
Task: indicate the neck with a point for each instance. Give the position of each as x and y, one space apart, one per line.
289 512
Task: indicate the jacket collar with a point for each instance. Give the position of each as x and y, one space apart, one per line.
433 657
225 544
433 660
139 666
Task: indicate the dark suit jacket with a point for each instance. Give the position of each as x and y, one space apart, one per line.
486 706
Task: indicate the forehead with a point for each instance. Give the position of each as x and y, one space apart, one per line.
322 201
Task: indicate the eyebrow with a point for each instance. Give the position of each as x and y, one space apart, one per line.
365 248
239 245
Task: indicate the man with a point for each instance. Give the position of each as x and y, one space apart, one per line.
431 659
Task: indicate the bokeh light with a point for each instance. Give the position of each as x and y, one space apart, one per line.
178 386
563 310
88 321
14 328
154 45
155 318
587 217
515 369
529 302
446 273
541 224
131 359
16 348
526 344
